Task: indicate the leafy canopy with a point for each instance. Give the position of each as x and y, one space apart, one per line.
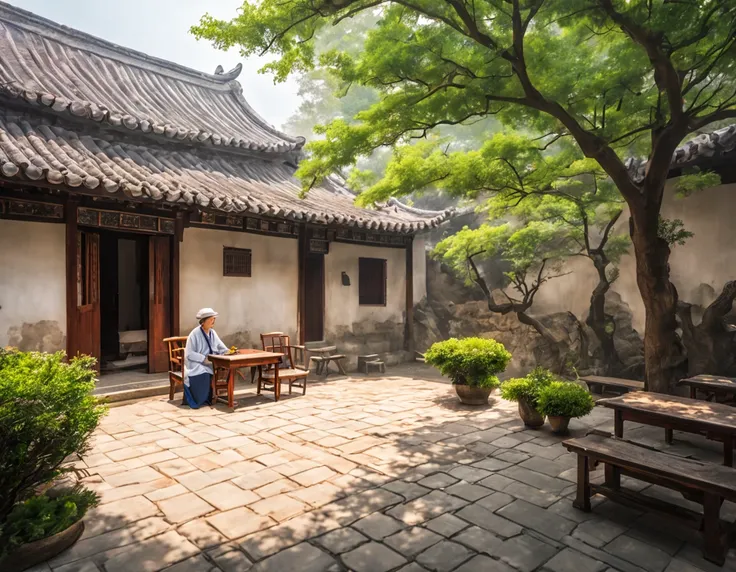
469 361
617 76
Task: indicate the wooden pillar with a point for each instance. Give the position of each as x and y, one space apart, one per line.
409 326
302 288
70 214
175 261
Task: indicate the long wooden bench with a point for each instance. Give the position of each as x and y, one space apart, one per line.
617 382
704 483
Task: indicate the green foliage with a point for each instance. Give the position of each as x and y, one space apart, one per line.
522 249
434 64
686 185
469 361
673 231
528 387
40 517
47 412
564 399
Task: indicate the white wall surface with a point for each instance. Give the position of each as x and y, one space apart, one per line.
341 302
33 285
420 269
265 302
707 258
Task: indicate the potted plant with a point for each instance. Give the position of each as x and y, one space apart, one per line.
525 391
560 401
472 364
47 414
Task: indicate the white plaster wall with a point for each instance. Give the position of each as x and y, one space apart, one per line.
265 302
420 269
707 258
32 285
341 302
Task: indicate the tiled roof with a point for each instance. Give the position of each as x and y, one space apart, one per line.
704 146
38 148
68 71
78 112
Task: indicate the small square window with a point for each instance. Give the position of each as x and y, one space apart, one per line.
236 262
371 281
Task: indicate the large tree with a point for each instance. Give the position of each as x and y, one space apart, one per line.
614 76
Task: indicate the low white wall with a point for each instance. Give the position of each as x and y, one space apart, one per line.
32 285
420 269
341 302
707 258
357 329
265 302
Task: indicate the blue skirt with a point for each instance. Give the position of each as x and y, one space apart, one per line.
197 393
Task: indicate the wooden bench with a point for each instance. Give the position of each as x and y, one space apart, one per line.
618 383
704 483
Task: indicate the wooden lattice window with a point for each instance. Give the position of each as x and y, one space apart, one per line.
236 262
371 281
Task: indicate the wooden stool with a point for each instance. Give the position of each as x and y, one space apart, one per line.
375 365
362 361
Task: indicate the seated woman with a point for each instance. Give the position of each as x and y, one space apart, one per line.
202 341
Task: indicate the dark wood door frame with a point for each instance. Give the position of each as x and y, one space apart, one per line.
75 331
304 304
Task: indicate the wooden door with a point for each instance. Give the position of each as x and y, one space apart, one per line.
83 291
314 303
159 306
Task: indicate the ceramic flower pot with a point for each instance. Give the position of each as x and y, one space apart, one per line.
559 424
529 415
471 395
42 550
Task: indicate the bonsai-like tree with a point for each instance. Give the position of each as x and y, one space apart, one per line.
530 254
613 76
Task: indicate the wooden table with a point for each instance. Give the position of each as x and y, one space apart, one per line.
256 358
714 420
711 385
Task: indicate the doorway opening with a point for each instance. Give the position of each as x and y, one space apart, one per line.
314 307
124 308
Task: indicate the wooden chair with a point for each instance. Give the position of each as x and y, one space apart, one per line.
219 384
296 376
177 347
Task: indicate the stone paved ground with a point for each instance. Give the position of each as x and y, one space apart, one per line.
369 475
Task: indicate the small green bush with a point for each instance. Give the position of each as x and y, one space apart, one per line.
470 361
40 517
47 412
527 387
564 399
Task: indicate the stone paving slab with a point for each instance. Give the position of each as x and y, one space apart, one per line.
380 474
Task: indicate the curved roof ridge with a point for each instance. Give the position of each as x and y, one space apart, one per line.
85 41
705 145
69 70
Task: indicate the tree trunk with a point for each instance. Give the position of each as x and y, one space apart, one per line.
664 358
709 344
602 324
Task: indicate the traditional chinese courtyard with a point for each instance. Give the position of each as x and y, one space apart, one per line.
369 474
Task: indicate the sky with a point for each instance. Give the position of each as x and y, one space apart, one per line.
161 28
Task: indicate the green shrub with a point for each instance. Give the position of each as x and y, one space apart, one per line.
470 361
564 399
47 412
527 388
40 517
